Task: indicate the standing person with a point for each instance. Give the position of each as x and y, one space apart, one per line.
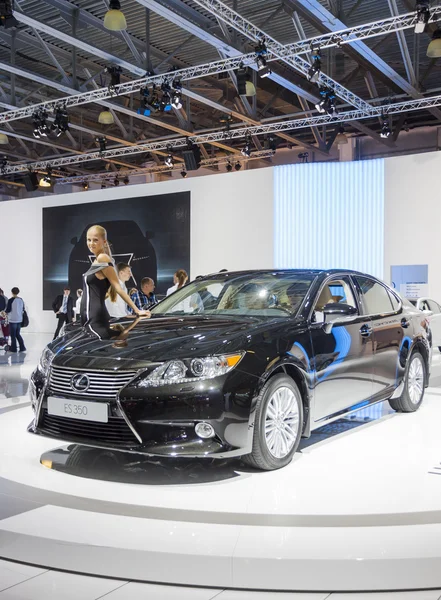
115 304
3 300
145 298
180 278
96 282
63 309
77 308
14 310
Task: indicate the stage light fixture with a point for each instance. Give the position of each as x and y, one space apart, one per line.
61 121
105 117
46 180
327 102
303 156
114 19
7 19
85 185
115 76
4 139
423 15
39 119
316 68
385 128
3 164
238 166
184 173
271 143
165 103
192 156
144 109
103 185
102 142
176 96
434 48
116 181
261 53
169 162
229 167
341 138
155 102
246 150
126 180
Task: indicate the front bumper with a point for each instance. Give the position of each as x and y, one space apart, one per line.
162 425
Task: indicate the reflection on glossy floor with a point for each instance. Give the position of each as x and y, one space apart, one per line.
115 514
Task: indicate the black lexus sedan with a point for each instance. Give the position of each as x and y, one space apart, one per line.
237 364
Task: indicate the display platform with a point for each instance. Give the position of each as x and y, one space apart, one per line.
357 510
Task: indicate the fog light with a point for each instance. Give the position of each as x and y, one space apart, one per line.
204 430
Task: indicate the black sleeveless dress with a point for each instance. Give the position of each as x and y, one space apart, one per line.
94 315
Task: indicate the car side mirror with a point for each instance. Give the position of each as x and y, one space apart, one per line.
337 309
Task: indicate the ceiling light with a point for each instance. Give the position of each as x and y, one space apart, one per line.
114 19
385 129
229 167
4 139
126 180
341 138
238 166
61 121
250 88
46 180
246 150
327 102
116 181
423 15
169 162
184 174
85 185
177 100
261 53
39 119
105 117
434 48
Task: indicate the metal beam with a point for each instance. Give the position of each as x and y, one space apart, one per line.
403 46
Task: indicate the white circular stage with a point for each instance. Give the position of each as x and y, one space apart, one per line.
358 509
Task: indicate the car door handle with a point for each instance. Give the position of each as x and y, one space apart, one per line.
365 331
405 323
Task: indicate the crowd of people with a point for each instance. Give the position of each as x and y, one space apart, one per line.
104 296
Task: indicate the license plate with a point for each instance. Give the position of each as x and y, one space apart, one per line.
77 409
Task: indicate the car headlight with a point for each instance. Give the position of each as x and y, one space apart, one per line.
46 359
190 370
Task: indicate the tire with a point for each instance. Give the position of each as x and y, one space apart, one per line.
279 396
414 385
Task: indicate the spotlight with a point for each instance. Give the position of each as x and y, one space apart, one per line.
115 77
46 180
105 117
126 180
7 19
327 102
385 129
434 48
165 102
169 162
246 150
114 19
39 119
155 103
61 121
116 181
102 144
238 166
303 156
85 185
423 15
341 138
261 53
316 68
176 98
229 167
3 164
270 143
184 174
144 108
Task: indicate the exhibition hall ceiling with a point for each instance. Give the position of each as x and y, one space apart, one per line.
59 48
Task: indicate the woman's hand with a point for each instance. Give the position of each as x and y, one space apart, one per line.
143 313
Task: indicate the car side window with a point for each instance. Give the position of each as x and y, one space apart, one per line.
425 305
376 298
394 300
434 307
336 290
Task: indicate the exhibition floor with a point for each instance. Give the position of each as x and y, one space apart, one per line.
358 510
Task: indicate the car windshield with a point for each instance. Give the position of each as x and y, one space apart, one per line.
260 295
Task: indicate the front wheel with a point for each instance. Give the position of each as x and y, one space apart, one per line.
414 386
278 424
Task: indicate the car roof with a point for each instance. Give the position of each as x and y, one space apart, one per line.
316 272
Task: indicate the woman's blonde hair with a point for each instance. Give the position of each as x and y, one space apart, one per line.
182 277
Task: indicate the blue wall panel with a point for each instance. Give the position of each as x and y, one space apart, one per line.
330 215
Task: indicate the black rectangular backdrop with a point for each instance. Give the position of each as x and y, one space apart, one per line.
151 233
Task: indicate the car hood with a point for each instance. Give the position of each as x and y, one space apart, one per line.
164 338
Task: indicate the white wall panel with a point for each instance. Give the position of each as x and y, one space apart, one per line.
330 215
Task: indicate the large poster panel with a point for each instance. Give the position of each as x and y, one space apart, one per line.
151 234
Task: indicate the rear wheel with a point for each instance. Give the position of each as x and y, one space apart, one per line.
278 424
414 385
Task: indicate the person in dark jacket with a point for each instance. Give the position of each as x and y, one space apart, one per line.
63 309
14 310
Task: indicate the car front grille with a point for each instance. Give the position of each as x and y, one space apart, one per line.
102 384
115 434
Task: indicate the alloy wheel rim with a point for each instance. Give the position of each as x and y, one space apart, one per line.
281 422
416 380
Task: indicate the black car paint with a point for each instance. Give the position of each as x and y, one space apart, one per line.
163 418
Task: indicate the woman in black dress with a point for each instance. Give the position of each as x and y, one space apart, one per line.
96 283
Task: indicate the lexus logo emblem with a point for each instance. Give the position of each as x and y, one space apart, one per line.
80 382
